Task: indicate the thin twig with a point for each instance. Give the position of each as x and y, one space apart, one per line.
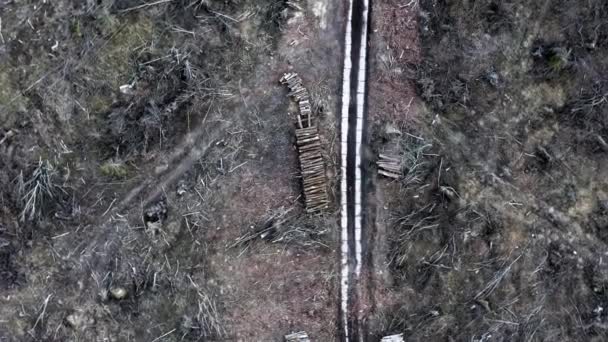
41 316
164 335
145 5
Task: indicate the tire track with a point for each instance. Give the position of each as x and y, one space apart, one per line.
352 118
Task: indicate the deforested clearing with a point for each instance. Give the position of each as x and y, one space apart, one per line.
496 230
149 190
158 183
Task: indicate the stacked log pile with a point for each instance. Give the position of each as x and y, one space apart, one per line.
309 147
389 166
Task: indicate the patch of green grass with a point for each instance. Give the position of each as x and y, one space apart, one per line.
115 58
11 98
114 169
98 103
558 59
76 29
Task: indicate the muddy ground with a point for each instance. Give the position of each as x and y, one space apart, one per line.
149 188
497 229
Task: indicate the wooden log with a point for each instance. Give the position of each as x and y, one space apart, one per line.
389 174
313 166
316 158
314 184
320 181
309 130
314 147
317 191
315 187
303 138
387 157
391 168
314 152
309 156
313 172
314 163
307 141
304 141
313 143
308 137
322 198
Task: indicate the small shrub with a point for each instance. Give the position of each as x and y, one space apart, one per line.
114 169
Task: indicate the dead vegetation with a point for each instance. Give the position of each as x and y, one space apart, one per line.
498 237
207 323
288 226
38 190
113 105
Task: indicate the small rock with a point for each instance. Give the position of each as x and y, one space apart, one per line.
598 310
182 188
126 89
118 293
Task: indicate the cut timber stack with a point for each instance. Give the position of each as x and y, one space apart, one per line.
389 166
309 147
300 94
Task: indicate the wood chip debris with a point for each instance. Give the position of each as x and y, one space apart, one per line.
309 147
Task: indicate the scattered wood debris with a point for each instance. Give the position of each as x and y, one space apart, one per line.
301 336
393 338
389 166
309 147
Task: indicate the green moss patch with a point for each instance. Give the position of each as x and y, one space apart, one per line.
115 57
114 169
11 99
